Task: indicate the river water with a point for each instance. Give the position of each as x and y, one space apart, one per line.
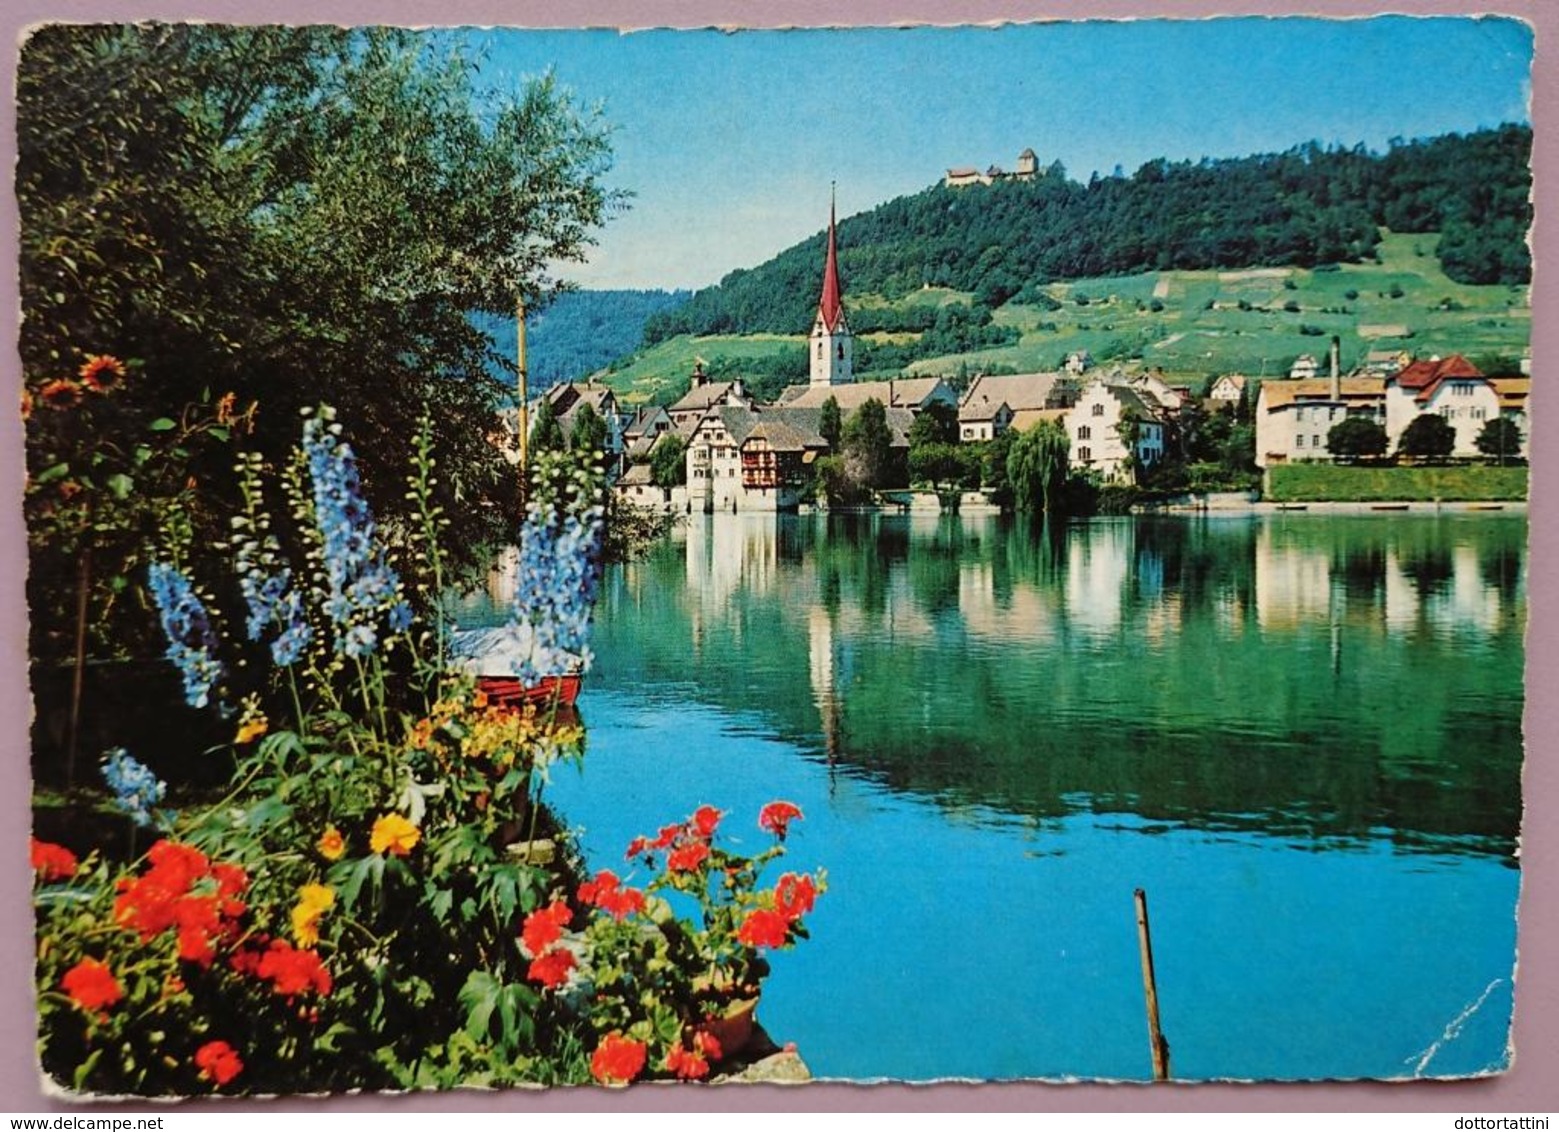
1300 735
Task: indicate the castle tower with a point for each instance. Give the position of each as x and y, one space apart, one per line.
832 346
1028 165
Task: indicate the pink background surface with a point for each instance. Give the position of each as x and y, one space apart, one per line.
1531 1086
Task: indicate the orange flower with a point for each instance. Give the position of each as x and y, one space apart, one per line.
92 985
688 1065
617 1060
60 394
331 844
250 730
218 1062
393 834
52 862
101 372
314 900
292 972
225 406
27 404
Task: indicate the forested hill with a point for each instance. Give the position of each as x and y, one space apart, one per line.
1305 207
578 332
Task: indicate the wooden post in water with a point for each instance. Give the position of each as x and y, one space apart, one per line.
1156 1039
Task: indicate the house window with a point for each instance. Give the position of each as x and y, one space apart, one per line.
841 352
1315 442
1085 433
1098 410
1085 454
968 432
1299 442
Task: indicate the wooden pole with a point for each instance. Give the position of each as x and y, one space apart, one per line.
519 349
1156 1039
78 677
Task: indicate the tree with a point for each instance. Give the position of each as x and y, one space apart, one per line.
290 215
945 465
546 431
589 432
668 462
867 443
1500 439
1429 437
1353 438
830 424
937 423
1038 467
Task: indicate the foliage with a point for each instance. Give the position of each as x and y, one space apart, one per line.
574 334
1037 466
937 423
546 431
1306 483
589 432
866 445
1500 439
830 424
945 465
668 461
263 216
1428 436
1354 437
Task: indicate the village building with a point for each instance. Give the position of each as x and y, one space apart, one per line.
752 459
569 398
911 394
1094 425
992 403
647 425
1513 393
1152 387
1228 389
1453 388
1293 418
1304 368
704 395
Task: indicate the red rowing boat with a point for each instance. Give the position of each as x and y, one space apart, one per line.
552 691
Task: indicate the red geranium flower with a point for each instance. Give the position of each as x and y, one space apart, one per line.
705 820
551 968
686 1064
794 895
92 985
686 858
708 1045
293 972
617 1060
544 927
101 372
763 928
219 1062
52 862
635 847
777 816
668 834
606 892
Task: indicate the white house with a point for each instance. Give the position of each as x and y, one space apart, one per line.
1293 418
1093 427
1453 388
1304 367
1228 388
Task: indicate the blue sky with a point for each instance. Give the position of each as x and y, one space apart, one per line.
729 140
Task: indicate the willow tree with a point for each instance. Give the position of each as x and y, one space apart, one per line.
1037 467
265 218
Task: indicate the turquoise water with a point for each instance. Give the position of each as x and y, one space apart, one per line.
1300 736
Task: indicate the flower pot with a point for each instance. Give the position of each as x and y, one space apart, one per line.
732 1028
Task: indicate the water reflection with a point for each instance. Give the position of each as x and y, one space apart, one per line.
1322 680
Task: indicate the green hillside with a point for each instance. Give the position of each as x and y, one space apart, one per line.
1199 328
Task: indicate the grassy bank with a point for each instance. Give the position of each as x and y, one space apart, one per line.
1311 483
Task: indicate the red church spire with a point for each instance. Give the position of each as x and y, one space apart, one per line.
829 308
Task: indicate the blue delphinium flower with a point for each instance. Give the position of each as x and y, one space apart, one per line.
558 575
136 789
192 643
360 585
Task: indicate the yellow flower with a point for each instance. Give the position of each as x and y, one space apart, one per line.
395 834
250 730
313 901
331 844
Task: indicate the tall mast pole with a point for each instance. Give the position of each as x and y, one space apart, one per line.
519 318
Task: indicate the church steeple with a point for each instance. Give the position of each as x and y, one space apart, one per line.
831 344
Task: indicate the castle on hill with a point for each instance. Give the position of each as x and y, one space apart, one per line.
1027 169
